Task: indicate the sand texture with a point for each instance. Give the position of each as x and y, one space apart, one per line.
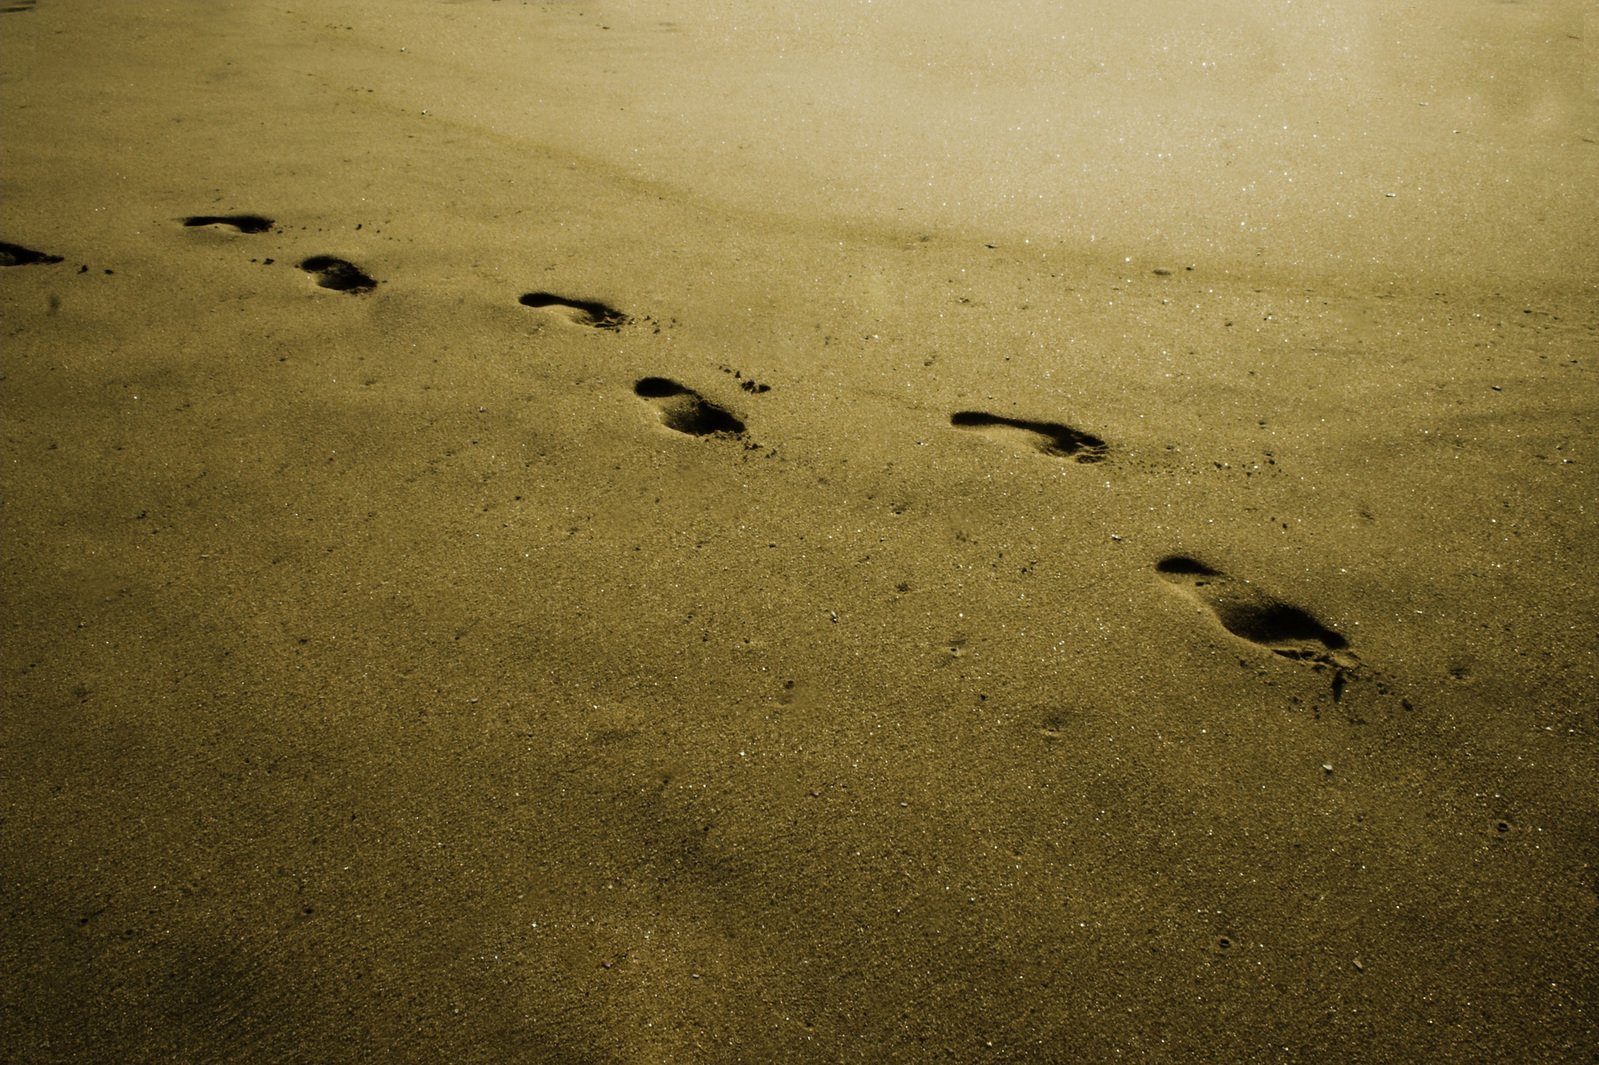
711 531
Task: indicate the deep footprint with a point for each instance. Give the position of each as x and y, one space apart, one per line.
1252 615
340 275
1049 438
589 313
686 410
244 223
17 255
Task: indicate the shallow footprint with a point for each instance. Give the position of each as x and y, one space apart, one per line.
590 313
686 410
17 255
1252 615
1049 438
244 223
341 275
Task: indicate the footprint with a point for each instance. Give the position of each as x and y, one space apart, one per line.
340 275
244 223
1050 438
17 5
590 313
686 410
17 255
1252 615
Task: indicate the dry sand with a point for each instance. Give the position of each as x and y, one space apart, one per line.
1148 613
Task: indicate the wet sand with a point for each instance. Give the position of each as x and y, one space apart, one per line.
618 532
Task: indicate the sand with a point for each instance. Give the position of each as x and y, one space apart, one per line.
726 532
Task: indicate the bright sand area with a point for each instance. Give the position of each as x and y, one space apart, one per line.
719 531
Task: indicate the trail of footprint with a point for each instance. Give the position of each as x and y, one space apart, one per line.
1049 438
685 410
17 255
1252 615
341 275
244 223
589 313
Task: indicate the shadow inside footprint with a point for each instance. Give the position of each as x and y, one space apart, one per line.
1251 614
17 255
591 313
244 223
340 275
686 410
1049 438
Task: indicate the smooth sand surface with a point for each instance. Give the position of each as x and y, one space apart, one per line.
731 532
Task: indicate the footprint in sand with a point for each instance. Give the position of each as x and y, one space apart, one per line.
590 313
17 255
244 223
17 5
341 275
1252 615
686 410
1049 438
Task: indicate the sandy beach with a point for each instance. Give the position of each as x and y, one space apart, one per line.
619 532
